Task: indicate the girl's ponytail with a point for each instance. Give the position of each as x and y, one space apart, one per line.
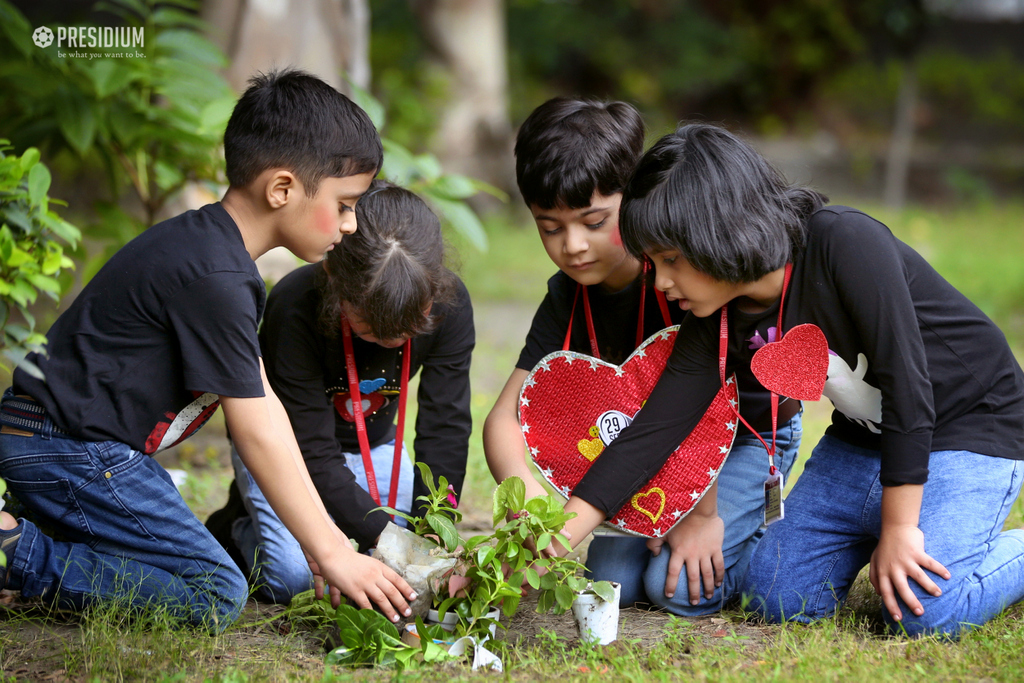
392 269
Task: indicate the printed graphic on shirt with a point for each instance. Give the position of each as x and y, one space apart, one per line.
183 425
850 394
371 403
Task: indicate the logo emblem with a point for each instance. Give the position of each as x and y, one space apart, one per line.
42 37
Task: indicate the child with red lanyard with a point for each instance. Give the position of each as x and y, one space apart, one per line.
341 340
923 459
573 160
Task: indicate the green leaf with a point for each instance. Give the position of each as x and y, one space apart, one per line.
214 116
604 590
545 601
564 596
427 476
548 581
191 46
77 121
342 656
38 184
29 159
368 103
45 284
460 217
445 530
508 497
532 578
454 186
543 541
110 76
399 166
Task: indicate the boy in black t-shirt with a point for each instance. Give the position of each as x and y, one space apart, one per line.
163 334
573 160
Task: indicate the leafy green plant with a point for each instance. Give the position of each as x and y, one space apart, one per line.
371 640
440 511
152 117
32 240
540 519
445 192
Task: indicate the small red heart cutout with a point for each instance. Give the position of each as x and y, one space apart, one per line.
795 366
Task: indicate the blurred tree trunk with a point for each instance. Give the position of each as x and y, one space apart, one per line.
901 142
328 38
467 39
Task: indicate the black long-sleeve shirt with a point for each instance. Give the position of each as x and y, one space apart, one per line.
914 367
306 368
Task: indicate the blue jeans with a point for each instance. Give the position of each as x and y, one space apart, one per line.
805 564
741 507
281 570
121 531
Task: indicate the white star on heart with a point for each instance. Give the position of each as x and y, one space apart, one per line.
525 401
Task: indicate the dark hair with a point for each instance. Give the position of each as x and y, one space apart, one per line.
390 269
291 119
708 194
566 149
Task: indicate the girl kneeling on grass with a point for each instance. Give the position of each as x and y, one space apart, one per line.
922 461
346 333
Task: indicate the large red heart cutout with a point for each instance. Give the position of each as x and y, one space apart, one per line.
796 366
573 405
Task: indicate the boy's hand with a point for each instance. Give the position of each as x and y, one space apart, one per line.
696 542
368 582
898 557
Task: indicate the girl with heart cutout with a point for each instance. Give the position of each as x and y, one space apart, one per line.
573 160
923 459
347 332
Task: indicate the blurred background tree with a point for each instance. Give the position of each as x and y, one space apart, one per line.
894 99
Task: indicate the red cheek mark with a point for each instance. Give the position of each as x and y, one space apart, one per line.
615 237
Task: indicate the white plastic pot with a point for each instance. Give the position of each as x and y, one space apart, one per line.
451 619
597 620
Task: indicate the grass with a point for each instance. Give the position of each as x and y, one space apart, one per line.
978 249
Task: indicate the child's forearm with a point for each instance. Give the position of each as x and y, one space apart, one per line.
283 428
269 459
503 438
901 505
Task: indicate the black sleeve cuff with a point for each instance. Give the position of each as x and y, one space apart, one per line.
904 458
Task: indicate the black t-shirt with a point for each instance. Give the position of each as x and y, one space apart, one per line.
615 320
165 328
306 369
914 367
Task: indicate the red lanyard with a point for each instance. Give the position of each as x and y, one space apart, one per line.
594 351
357 412
723 347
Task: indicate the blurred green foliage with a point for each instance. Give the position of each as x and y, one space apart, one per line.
32 240
421 173
152 122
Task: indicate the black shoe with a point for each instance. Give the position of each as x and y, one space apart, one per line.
219 525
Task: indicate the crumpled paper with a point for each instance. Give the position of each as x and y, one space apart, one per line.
419 561
482 657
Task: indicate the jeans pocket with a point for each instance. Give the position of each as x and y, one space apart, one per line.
53 505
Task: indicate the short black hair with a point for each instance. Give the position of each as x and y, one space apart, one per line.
568 148
708 194
292 119
391 270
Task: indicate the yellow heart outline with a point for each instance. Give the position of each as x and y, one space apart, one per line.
652 516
